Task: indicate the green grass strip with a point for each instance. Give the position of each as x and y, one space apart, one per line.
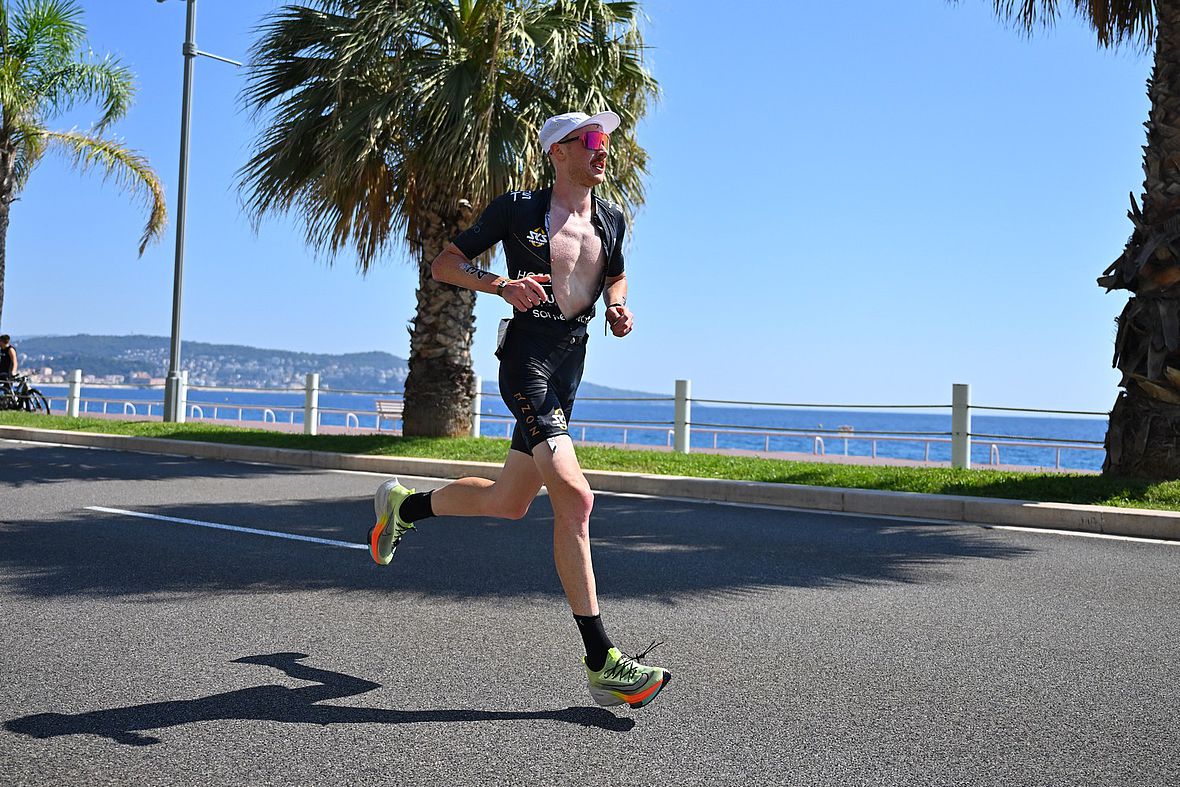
1048 487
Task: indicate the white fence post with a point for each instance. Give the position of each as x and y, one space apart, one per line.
682 430
182 397
476 406
961 425
75 396
311 404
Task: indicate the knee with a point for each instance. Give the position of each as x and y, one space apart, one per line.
513 509
587 503
577 505
508 506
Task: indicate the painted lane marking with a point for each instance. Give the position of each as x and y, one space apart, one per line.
636 495
1083 534
905 520
234 528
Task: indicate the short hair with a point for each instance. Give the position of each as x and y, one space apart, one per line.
5 338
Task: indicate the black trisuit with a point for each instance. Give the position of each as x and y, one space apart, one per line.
542 356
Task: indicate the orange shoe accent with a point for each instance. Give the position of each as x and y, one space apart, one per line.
375 533
641 696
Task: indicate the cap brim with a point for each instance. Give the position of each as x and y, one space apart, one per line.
608 120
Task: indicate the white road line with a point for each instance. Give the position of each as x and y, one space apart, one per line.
1083 534
696 501
905 520
235 528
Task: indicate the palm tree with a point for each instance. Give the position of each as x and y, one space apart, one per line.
46 69
394 120
1143 438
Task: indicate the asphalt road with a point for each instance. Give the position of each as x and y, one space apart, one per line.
807 648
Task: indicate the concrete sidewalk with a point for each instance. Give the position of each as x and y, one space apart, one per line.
944 508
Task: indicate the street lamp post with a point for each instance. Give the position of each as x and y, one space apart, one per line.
173 403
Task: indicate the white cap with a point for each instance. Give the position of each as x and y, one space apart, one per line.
559 127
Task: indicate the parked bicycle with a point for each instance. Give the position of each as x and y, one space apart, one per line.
17 394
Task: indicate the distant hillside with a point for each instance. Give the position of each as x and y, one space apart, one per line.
230 365
211 364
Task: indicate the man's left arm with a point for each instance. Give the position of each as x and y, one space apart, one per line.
618 316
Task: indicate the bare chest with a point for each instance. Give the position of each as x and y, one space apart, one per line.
576 260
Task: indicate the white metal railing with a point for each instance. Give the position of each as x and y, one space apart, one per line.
1057 448
128 407
994 444
714 435
676 434
816 439
352 418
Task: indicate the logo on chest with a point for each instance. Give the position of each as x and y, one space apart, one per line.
537 237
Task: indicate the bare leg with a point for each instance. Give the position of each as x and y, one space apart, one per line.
507 498
572 501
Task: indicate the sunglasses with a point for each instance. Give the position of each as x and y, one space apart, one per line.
593 140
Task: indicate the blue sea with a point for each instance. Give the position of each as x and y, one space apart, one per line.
916 435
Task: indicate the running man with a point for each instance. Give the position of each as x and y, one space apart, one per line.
564 248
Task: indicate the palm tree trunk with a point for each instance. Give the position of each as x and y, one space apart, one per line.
440 387
5 206
6 187
1143 438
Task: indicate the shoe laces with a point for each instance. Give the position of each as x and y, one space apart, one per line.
627 667
649 649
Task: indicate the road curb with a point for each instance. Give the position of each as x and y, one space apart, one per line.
949 508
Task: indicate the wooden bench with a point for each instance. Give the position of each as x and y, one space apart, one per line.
389 408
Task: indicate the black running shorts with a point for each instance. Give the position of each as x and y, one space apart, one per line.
539 377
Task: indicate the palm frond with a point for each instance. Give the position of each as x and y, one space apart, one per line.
46 68
322 156
1115 21
46 31
105 82
18 102
299 45
128 169
387 116
28 140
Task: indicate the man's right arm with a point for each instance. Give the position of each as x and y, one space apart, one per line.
452 267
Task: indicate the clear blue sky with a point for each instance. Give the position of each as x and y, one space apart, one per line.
854 202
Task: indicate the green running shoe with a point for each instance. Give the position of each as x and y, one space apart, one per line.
623 679
387 533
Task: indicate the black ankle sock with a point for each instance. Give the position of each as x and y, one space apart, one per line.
595 639
416 507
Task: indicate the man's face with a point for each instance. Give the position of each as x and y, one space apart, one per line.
582 166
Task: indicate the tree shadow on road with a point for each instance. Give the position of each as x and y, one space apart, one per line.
281 704
42 464
660 550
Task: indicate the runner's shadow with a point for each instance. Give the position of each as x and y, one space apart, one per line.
282 704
